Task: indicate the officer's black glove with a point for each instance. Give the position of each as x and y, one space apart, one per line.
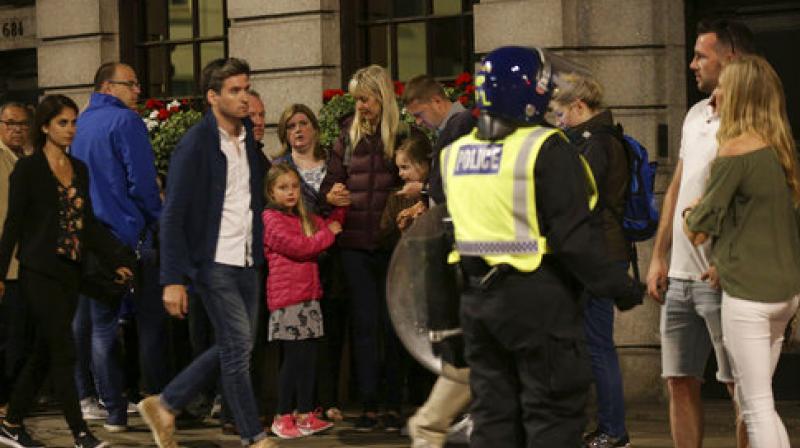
632 297
451 350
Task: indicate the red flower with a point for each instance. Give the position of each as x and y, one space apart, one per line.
329 94
399 87
463 78
463 99
163 114
184 101
153 103
476 111
470 89
174 109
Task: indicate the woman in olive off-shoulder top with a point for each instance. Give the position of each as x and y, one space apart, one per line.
749 208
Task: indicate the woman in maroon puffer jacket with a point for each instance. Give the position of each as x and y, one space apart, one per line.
362 174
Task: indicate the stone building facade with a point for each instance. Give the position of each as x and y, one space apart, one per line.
637 49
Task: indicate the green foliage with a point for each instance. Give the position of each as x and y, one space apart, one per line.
331 115
165 137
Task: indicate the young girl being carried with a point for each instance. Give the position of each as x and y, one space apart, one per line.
413 163
292 240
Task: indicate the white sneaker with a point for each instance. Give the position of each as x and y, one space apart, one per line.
115 428
460 432
92 410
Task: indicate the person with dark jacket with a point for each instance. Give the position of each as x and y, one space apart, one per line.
427 101
211 233
50 217
362 174
578 107
520 198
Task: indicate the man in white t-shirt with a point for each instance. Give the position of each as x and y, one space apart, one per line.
690 317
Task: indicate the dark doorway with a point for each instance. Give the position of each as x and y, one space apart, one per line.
776 27
18 80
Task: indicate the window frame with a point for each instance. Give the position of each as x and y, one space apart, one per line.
134 48
355 46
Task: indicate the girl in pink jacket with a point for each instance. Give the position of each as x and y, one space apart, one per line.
293 238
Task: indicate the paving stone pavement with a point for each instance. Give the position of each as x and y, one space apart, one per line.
647 424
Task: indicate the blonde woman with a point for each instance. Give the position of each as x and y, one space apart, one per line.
577 105
749 208
362 174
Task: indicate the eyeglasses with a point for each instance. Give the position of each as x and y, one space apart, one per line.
16 124
129 84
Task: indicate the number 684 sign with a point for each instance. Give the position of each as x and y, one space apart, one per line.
12 28
18 28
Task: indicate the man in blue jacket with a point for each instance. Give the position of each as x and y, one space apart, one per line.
113 142
211 236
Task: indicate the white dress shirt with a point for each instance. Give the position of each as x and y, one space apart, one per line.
236 228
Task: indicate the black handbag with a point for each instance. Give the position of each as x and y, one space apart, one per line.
98 280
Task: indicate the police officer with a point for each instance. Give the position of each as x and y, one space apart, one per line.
520 197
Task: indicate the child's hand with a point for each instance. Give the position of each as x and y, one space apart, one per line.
418 209
335 227
411 189
408 215
404 219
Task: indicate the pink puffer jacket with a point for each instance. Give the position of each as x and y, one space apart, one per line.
293 273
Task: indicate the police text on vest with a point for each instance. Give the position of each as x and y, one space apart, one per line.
478 159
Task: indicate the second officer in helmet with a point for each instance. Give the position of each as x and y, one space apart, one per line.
520 198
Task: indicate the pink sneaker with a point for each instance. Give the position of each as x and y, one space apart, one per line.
309 424
284 427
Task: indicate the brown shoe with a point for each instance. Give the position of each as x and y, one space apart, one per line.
264 443
151 411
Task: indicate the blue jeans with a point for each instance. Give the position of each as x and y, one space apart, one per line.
230 295
599 327
151 321
94 328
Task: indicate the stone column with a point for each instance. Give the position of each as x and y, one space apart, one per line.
293 50
76 36
636 49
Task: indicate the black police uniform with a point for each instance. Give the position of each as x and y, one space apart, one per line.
530 372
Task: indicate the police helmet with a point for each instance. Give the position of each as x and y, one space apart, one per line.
514 83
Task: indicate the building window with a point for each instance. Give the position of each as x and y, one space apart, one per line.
174 40
409 37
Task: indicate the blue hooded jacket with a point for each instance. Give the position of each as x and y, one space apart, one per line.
112 140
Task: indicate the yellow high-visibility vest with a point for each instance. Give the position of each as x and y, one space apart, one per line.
491 196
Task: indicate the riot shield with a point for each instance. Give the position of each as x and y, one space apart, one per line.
419 278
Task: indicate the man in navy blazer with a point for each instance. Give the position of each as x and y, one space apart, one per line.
211 236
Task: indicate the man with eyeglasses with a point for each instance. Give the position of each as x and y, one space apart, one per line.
689 289
112 140
15 328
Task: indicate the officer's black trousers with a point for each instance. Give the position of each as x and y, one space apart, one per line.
530 368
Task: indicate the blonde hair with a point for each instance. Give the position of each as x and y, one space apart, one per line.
278 170
754 102
576 86
375 81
